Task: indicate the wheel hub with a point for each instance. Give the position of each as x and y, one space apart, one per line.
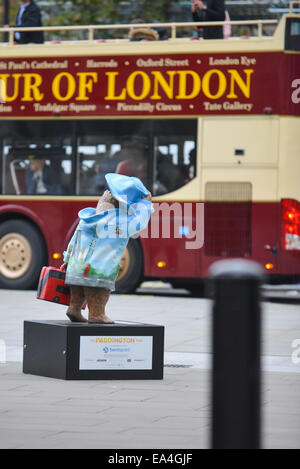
15 255
124 265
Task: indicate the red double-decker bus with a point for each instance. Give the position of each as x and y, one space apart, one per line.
211 127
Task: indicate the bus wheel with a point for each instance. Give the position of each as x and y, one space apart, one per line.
22 255
197 290
131 270
201 290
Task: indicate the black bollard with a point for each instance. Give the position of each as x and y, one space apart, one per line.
236 381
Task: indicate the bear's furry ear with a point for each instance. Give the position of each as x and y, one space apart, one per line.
104 206
106 202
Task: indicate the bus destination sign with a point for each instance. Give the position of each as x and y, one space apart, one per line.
144 85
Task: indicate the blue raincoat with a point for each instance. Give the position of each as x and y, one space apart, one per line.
96 248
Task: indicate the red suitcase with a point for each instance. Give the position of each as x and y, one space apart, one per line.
52 286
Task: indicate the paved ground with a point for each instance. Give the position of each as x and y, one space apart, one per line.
37 412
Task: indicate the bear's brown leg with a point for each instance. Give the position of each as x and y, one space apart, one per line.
97 299
76 303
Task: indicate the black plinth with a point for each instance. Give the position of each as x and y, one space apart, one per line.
65 350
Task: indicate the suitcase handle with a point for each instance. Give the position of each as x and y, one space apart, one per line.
63 267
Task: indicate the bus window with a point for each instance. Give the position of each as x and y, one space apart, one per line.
34 161
174 156
36 171
292 34
93 165
104 147
132 158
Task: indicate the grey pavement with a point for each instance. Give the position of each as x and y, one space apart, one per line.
38 412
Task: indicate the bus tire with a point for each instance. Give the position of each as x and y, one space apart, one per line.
22 255
197 291
132 268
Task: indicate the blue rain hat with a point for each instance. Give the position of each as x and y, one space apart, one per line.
125 189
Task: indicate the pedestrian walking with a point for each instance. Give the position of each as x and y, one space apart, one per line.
210 10
29 14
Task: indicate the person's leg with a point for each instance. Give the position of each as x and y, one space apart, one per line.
97 299
76 302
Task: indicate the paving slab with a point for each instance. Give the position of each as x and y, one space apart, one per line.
45 413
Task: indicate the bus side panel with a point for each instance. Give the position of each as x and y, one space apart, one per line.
147 254
55 217
266 235
288 178
175 234
235 236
